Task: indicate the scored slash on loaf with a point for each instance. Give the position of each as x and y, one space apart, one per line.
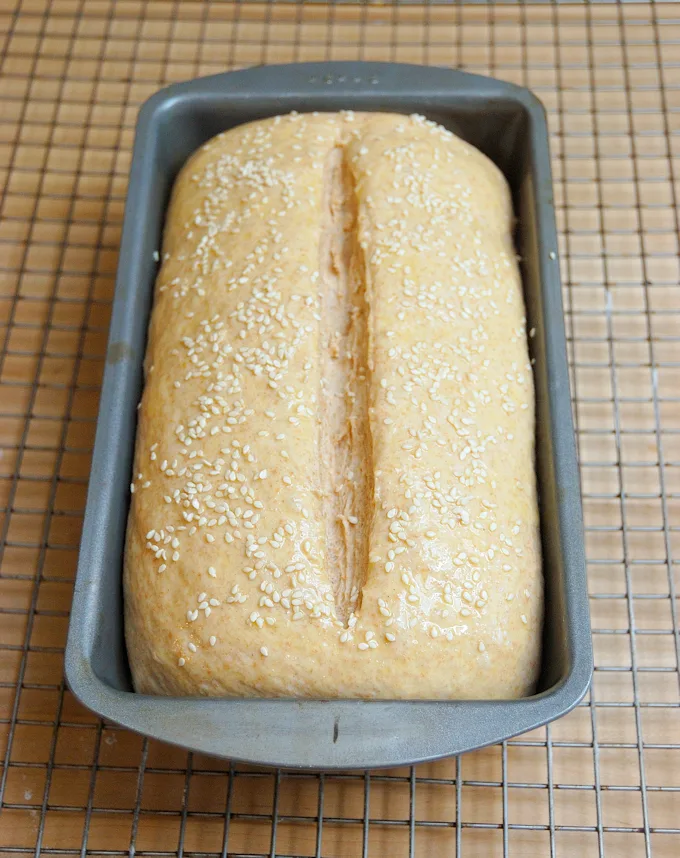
334 490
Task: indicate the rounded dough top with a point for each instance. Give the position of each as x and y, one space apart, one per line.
334 490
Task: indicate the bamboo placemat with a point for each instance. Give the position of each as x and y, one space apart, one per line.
603 781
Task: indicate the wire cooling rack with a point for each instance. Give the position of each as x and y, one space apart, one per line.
603 781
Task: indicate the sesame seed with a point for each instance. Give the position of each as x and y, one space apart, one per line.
213 640
264 651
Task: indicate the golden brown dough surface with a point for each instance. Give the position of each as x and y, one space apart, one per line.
338 410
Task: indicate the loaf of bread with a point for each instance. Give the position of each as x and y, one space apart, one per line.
334 490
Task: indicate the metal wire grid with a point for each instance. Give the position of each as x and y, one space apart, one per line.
606 779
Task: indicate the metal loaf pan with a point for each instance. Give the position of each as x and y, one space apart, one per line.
508 124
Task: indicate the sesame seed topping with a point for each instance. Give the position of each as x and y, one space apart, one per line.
241 371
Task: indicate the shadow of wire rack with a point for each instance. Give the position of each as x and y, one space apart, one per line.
603 781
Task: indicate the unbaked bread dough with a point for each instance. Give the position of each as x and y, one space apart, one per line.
334 490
